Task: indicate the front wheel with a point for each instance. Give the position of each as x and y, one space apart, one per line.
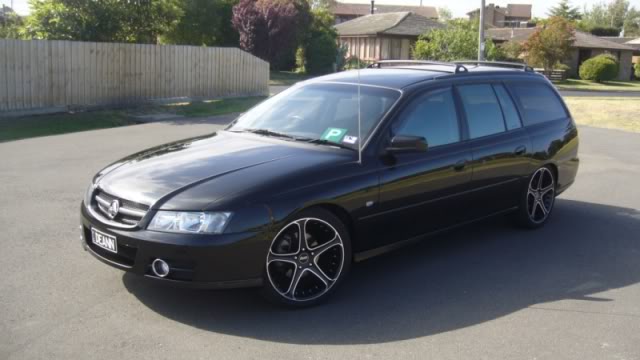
307 259
538 199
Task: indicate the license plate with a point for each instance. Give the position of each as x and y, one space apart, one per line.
105 241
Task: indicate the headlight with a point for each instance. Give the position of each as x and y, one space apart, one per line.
190 222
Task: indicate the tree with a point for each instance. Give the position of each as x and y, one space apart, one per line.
617 11
322 4
631 24
565 10
204 22
444 14
10 23
618 14
511 51
141 21
319 48
457 41
551 44
272 29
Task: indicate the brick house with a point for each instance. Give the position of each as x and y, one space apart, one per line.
585 47
511 16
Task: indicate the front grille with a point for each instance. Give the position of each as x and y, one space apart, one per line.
129 214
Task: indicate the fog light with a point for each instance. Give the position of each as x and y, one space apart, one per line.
160 268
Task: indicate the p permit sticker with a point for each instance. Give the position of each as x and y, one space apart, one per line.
333 134
350 139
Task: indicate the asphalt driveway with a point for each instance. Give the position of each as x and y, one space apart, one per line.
568 291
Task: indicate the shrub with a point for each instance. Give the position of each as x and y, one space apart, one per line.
637 70
341 56
457 41
320 53
604 31
354 63
319 46
600 68
511 51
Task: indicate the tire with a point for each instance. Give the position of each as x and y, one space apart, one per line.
305 271
537 199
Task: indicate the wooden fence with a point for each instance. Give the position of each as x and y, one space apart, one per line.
40 74
554 75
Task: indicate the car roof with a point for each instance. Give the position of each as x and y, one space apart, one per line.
399 77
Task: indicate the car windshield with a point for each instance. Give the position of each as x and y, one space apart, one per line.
322 113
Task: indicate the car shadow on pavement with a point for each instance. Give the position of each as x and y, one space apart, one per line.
467 277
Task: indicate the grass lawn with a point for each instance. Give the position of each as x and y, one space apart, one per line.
573 84
44 125
213 107
286 78
621 113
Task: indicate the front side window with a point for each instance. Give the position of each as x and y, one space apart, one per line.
484 115
539 103
321 111
432 116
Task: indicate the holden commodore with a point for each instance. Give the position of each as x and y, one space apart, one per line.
332 171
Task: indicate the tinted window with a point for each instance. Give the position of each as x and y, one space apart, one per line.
433 116
539 103
312 111
482 109
509 111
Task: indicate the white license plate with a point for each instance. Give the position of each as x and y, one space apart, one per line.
105 241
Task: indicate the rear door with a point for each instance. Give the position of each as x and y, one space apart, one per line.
421 192
500 145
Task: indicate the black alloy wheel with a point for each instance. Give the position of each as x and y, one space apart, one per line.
537 204
307 259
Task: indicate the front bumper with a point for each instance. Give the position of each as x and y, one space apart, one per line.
196 260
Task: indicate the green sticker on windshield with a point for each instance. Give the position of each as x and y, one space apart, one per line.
333 134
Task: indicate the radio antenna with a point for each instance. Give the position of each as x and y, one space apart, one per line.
359 119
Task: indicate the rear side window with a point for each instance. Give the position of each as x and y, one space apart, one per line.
511 117
432 116
484 115
539 103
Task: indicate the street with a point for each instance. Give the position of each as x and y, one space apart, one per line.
570 290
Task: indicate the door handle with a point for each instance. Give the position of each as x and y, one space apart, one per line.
459 166
520 150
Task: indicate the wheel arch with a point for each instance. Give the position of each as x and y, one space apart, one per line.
343 215
554 170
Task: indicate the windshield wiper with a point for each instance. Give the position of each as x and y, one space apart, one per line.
330 143
266 132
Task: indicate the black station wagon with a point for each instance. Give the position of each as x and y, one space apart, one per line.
335 170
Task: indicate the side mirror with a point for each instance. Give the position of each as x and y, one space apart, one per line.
407 143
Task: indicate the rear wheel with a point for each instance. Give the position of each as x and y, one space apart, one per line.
538 199
307 260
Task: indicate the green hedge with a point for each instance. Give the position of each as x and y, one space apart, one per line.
637 70
600 68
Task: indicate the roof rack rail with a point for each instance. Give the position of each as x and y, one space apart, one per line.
459 67
516 65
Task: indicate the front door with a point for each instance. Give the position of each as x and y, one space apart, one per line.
423 191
